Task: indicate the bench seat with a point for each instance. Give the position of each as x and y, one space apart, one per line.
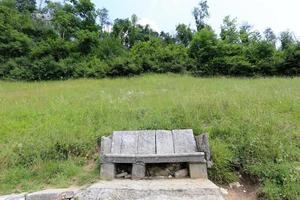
197 157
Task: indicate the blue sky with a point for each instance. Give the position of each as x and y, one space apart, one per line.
165 14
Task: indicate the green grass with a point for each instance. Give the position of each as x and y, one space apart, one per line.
49 130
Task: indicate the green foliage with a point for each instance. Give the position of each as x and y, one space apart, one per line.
156 56
91 67
291 63
203 49
229 31
57 41
86 42
25 5
200 13
123 66
184 34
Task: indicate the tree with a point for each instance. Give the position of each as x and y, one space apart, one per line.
245 32
229 32
270 36
184 34
203 49
26 5
103 17
167 37
286 39
63 19
200 13
291 63
121 30
86 13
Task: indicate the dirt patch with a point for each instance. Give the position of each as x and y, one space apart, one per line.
245 192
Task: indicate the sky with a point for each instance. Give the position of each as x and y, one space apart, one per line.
164 15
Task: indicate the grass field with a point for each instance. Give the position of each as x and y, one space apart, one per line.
49 130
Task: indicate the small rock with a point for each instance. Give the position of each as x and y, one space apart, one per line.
235 185
157 171
67 195
128 176
209 164
170 176
244 191
181 173
121 175
224 191
159 177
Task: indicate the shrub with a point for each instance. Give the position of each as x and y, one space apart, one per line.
123 66
47 69
157 56
91 67
17 69
291 64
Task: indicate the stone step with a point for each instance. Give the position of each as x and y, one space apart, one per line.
170 189
158 189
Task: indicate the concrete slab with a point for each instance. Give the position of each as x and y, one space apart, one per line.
13 197
172 189
52 194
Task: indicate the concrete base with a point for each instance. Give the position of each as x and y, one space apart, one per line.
171 189
108 171
198 170
138 171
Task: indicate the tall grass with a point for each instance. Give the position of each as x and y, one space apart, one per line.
49 130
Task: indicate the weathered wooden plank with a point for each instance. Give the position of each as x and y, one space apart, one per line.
105 145
164 142
197 157
146 142
129 142
203 146
116 142
184 141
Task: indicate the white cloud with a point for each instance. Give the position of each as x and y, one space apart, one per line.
151 23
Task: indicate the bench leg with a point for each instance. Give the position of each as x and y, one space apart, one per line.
138 170
108 171
198 170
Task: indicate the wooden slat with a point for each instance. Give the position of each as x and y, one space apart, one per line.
197 157
105 145
164 142
184 141
129 142
116 142
146 142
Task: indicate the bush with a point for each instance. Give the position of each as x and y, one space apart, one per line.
123 66
48 69
232 65
91 67
17 69
291 64
110 48
157 56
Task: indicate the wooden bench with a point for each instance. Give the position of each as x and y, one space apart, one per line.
153 146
